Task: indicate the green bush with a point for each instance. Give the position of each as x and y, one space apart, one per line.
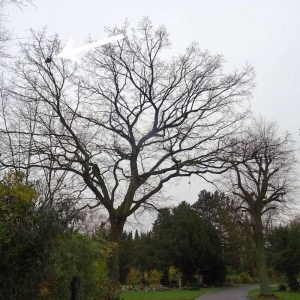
80 256
39 255
27 234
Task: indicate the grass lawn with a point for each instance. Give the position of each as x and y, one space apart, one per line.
253 295
165 295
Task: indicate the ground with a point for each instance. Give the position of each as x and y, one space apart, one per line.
235 293
253 295
165 295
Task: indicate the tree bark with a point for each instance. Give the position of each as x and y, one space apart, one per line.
261 264
116 232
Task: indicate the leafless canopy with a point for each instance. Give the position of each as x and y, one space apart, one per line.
126 120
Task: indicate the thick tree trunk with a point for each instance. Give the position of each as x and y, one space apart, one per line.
265 287
116 232
261 264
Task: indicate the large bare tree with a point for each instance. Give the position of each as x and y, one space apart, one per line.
125 121
261 177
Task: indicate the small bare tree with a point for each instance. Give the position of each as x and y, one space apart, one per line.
126 121
261 176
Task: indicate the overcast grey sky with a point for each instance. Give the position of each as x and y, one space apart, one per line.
265 34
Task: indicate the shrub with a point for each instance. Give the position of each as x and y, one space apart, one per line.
152 277
282 287
243 278
135 276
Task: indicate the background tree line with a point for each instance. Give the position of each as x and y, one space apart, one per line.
203 242
209 240
180 238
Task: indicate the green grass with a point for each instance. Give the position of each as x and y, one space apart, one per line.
165 295
253 295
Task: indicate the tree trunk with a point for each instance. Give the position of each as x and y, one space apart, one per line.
116 232
261 264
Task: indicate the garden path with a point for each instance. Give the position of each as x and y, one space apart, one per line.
233 293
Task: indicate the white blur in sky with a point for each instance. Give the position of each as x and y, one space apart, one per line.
264 34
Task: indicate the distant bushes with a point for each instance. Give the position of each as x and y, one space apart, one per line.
243 277
151 277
